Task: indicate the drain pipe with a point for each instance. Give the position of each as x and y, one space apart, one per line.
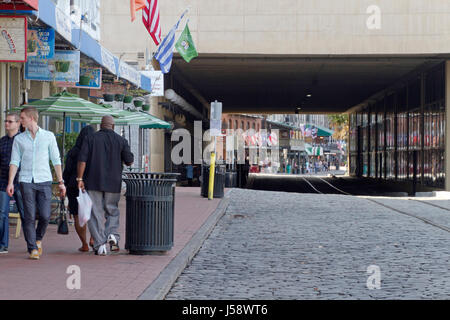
173 97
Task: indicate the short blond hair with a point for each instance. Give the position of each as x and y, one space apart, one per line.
31 112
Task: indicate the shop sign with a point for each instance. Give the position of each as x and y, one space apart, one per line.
19 5
41 42
157 82
65 67
13 39
108 61
90 78
129 73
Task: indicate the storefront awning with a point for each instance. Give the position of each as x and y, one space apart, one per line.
321 131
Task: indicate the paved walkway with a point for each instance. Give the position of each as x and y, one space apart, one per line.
278 245
121 276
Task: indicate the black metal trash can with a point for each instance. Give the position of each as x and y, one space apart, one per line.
150 204
230 179
219 181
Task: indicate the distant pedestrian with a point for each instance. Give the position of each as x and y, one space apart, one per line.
70 175
102 156
189 174
12 124
32 150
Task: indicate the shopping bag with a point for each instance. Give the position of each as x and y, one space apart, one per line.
84 208
63 228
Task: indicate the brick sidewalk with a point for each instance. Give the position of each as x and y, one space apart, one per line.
120 276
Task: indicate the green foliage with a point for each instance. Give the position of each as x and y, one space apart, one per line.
339 123
137 92
339 119
69 142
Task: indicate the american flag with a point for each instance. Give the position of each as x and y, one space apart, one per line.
150 18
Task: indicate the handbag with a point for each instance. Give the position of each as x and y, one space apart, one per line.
63 228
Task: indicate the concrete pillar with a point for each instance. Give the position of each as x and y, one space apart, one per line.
447 125
156 138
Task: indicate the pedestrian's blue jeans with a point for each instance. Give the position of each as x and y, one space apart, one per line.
4 214
36 196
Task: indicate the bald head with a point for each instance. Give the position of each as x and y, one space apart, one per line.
107 122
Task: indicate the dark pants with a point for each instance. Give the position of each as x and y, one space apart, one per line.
35 196
4 214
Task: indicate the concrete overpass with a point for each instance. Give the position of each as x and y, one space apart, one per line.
384 62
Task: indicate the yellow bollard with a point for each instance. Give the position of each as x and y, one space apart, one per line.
211 176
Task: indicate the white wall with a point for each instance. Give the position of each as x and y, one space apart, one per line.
290 26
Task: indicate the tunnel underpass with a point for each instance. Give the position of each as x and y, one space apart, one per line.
396 105
269 84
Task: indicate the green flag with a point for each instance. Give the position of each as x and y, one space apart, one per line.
185 45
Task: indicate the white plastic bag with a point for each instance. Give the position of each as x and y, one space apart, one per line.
84 207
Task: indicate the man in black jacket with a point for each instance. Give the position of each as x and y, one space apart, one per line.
105 152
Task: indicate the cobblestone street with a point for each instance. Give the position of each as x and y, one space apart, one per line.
275 245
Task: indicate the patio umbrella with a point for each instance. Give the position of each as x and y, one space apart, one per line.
66 104
130 117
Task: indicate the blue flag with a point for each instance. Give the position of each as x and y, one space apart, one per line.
165 51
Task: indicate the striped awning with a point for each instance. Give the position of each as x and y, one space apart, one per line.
321 131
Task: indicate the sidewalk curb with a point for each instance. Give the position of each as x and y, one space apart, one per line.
159 288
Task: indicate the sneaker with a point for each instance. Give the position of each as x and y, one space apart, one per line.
3 250
34 255
101 251
113 243
39 245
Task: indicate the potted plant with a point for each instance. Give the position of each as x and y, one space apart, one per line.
145 107
138 103
128 99
119 97
108 97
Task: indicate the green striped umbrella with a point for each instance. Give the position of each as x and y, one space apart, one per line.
125 118
66 104
131 117
69 104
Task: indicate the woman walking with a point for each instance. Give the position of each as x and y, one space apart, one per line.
69 176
